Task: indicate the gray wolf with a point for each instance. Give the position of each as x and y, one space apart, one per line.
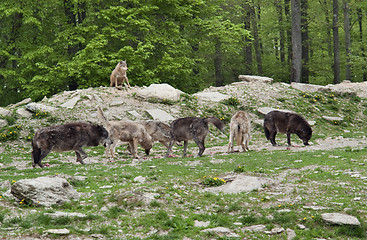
67 137
118 75
126 131
239 131
286 123
158 130
196 128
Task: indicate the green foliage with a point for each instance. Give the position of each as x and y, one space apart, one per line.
162 42
10 133
232 101
213 181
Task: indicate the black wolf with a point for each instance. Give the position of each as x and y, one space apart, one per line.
196 128
287 123
71 136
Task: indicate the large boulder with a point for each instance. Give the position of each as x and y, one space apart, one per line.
250 78
162 91
44 191
38 107
340 219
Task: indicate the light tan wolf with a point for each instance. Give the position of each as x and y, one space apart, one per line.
240 130
126 131
118 75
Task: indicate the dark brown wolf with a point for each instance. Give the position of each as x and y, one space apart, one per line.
286 123
67 137
239 131
196 128
118 75
126 131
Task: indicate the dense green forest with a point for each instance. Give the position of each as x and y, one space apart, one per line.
48 46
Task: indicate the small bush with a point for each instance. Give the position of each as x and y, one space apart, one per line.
10 133
232 101
213 181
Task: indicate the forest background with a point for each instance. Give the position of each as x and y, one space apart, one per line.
48 46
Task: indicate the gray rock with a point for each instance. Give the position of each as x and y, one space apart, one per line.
140 179
22 112
332 119
38 107
211 96
65 214
117 103
44 191
250 78
266 110
160 115
63 231
221 231
5 112
316 208
275 231
71 103
340 219
25 101
255 228
291 234
201 223
3 123
135 114
308 87
159 91
241 183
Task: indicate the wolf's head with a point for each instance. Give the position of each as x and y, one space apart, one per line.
123 65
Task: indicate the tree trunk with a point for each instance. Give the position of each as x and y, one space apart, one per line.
360 15
256 40
218 64
248 42
336 42
296 41
288 32
305 42
279 9
348 73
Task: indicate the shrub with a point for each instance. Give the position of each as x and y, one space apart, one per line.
213 181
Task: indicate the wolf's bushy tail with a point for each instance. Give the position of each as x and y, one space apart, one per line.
215 121
101 115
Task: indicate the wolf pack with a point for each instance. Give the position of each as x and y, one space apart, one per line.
76 135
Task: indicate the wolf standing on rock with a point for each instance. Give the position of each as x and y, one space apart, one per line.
118 75
287 123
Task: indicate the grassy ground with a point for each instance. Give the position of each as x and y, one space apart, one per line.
115 205
321 178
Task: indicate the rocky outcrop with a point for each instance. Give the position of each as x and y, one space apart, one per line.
162 91
44 191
